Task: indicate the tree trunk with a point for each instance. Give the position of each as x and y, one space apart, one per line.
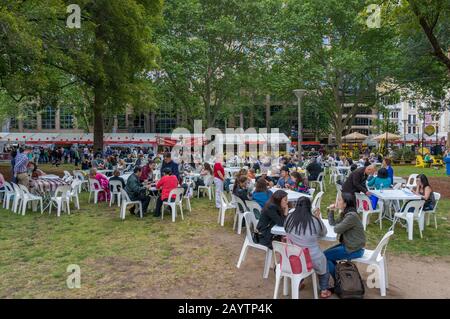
99 102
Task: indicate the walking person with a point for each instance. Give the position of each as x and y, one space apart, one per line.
219 177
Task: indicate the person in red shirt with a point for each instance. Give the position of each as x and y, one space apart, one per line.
147 172
166 184
219 177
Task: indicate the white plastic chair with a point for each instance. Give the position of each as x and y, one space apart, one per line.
225 205
178 193
9 194
333 174
28 197
411 183
115 187
67 177
319 181
437 197
253 207
75 188
208 187
79 175
189 193
366 211
250 221
241 208
283 269
94 187
317 200
61 199
410 217
125 201
377 257
18 197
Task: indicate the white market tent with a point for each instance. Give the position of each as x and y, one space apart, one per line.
143 138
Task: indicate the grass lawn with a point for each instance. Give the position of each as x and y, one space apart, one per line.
118 258
405 171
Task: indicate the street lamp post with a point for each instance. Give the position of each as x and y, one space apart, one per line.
299 93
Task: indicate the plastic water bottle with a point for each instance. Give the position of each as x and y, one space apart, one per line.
381 189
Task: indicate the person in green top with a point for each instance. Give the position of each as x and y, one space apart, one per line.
349 228
428 159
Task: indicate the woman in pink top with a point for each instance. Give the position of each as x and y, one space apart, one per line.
219 177
166 184
104 184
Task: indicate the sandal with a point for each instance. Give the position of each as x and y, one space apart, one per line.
325 294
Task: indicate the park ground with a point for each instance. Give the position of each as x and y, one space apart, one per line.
194 258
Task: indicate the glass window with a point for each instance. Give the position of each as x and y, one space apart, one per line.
121 122
65 118
165 121
13 123
48 118
29 119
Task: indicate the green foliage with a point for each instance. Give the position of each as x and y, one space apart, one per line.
404 154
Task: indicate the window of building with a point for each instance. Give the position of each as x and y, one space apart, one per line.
137 123
412 104
394 115
165 121
48 116
13 123
29 119
121 122
66 118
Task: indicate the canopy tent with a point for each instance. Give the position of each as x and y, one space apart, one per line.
387 136
355 136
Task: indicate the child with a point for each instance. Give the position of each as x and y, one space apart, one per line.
301 185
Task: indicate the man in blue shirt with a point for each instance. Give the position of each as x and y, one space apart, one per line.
447 161
285 180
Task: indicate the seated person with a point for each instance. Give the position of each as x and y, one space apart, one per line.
261 194
136 191
273 213
381 181
304 228
241 188
424 190
166 184
268 179
428 159
104 184
147 171
285 180
390 170
116 177
349 228
313 169
2 182
35 171
301 185
86 165
251 174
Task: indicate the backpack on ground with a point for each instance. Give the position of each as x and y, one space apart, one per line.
349 284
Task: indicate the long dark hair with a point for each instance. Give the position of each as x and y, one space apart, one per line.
276 199
208 168
350 202
423 180
301 218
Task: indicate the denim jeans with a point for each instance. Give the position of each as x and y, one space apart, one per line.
324 281
339 252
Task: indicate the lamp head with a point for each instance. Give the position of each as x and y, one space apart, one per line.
299 93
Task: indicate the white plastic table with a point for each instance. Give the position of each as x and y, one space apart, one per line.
330 236
389 195
293 196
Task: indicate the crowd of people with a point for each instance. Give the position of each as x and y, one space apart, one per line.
156 175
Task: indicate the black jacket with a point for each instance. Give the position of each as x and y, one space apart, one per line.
314 169
356 182
173 166
270 217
